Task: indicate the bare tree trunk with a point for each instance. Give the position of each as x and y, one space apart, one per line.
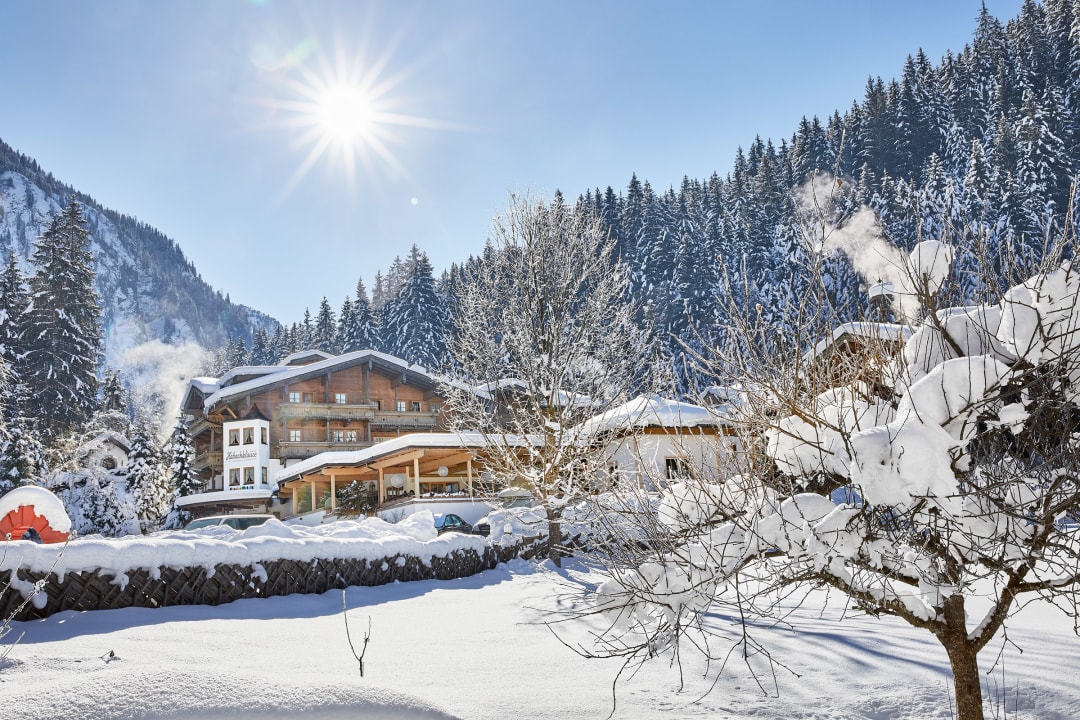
963 659
554 537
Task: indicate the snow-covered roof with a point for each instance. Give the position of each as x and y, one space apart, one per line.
412 441
304 355
648 411
243 370
105 436
869 330
220 495
331 363
205 385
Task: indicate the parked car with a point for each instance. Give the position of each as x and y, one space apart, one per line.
514 497
449 522
236 522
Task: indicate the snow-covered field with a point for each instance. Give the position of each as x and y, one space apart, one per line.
479 648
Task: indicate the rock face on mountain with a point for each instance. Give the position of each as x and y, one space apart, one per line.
148 289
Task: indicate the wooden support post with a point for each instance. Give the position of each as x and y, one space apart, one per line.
416 472
468 475
313 506
333 493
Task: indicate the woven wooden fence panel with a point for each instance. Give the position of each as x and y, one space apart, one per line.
95 590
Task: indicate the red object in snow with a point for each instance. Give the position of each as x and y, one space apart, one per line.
22 518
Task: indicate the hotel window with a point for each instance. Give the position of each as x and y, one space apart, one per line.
415 406
377 439
294 435
249 436
377 404
337 436
676 469
234 437
434 407
340 398
308 398
265 476
401 406
294 397
249 476
350 436
234 477
265 436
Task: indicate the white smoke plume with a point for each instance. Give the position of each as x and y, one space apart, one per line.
860 238
157 375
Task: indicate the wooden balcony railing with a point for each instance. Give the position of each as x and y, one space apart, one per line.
208 458
324 411
410 420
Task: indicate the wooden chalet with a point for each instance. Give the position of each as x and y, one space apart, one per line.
253 422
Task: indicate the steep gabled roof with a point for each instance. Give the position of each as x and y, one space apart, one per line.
891 332
304 357
387 364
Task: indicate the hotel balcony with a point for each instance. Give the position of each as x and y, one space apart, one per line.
411 421
324 411
303 450
207 459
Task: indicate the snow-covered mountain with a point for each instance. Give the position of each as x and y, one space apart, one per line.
148 289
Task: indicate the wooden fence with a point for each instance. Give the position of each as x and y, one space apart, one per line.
96 590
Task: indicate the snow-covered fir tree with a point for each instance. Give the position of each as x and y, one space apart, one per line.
416 323
147 482
262 352
22 457
182 478
62 339
95 506
14 301
326 331
359 331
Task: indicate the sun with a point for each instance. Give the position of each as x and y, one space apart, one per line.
345 109
345 114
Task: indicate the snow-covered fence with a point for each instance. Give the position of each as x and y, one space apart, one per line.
189 569
162 587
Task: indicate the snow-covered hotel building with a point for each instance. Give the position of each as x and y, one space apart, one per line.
252 422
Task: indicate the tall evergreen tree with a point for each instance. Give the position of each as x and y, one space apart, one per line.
13 304
261 351
416 322
146 478
63 326
325 331
182 478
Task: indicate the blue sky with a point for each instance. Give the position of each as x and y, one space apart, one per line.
292 147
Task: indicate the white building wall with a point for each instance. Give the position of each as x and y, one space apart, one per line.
246 464
643 459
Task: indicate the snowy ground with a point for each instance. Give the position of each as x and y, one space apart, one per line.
478 648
